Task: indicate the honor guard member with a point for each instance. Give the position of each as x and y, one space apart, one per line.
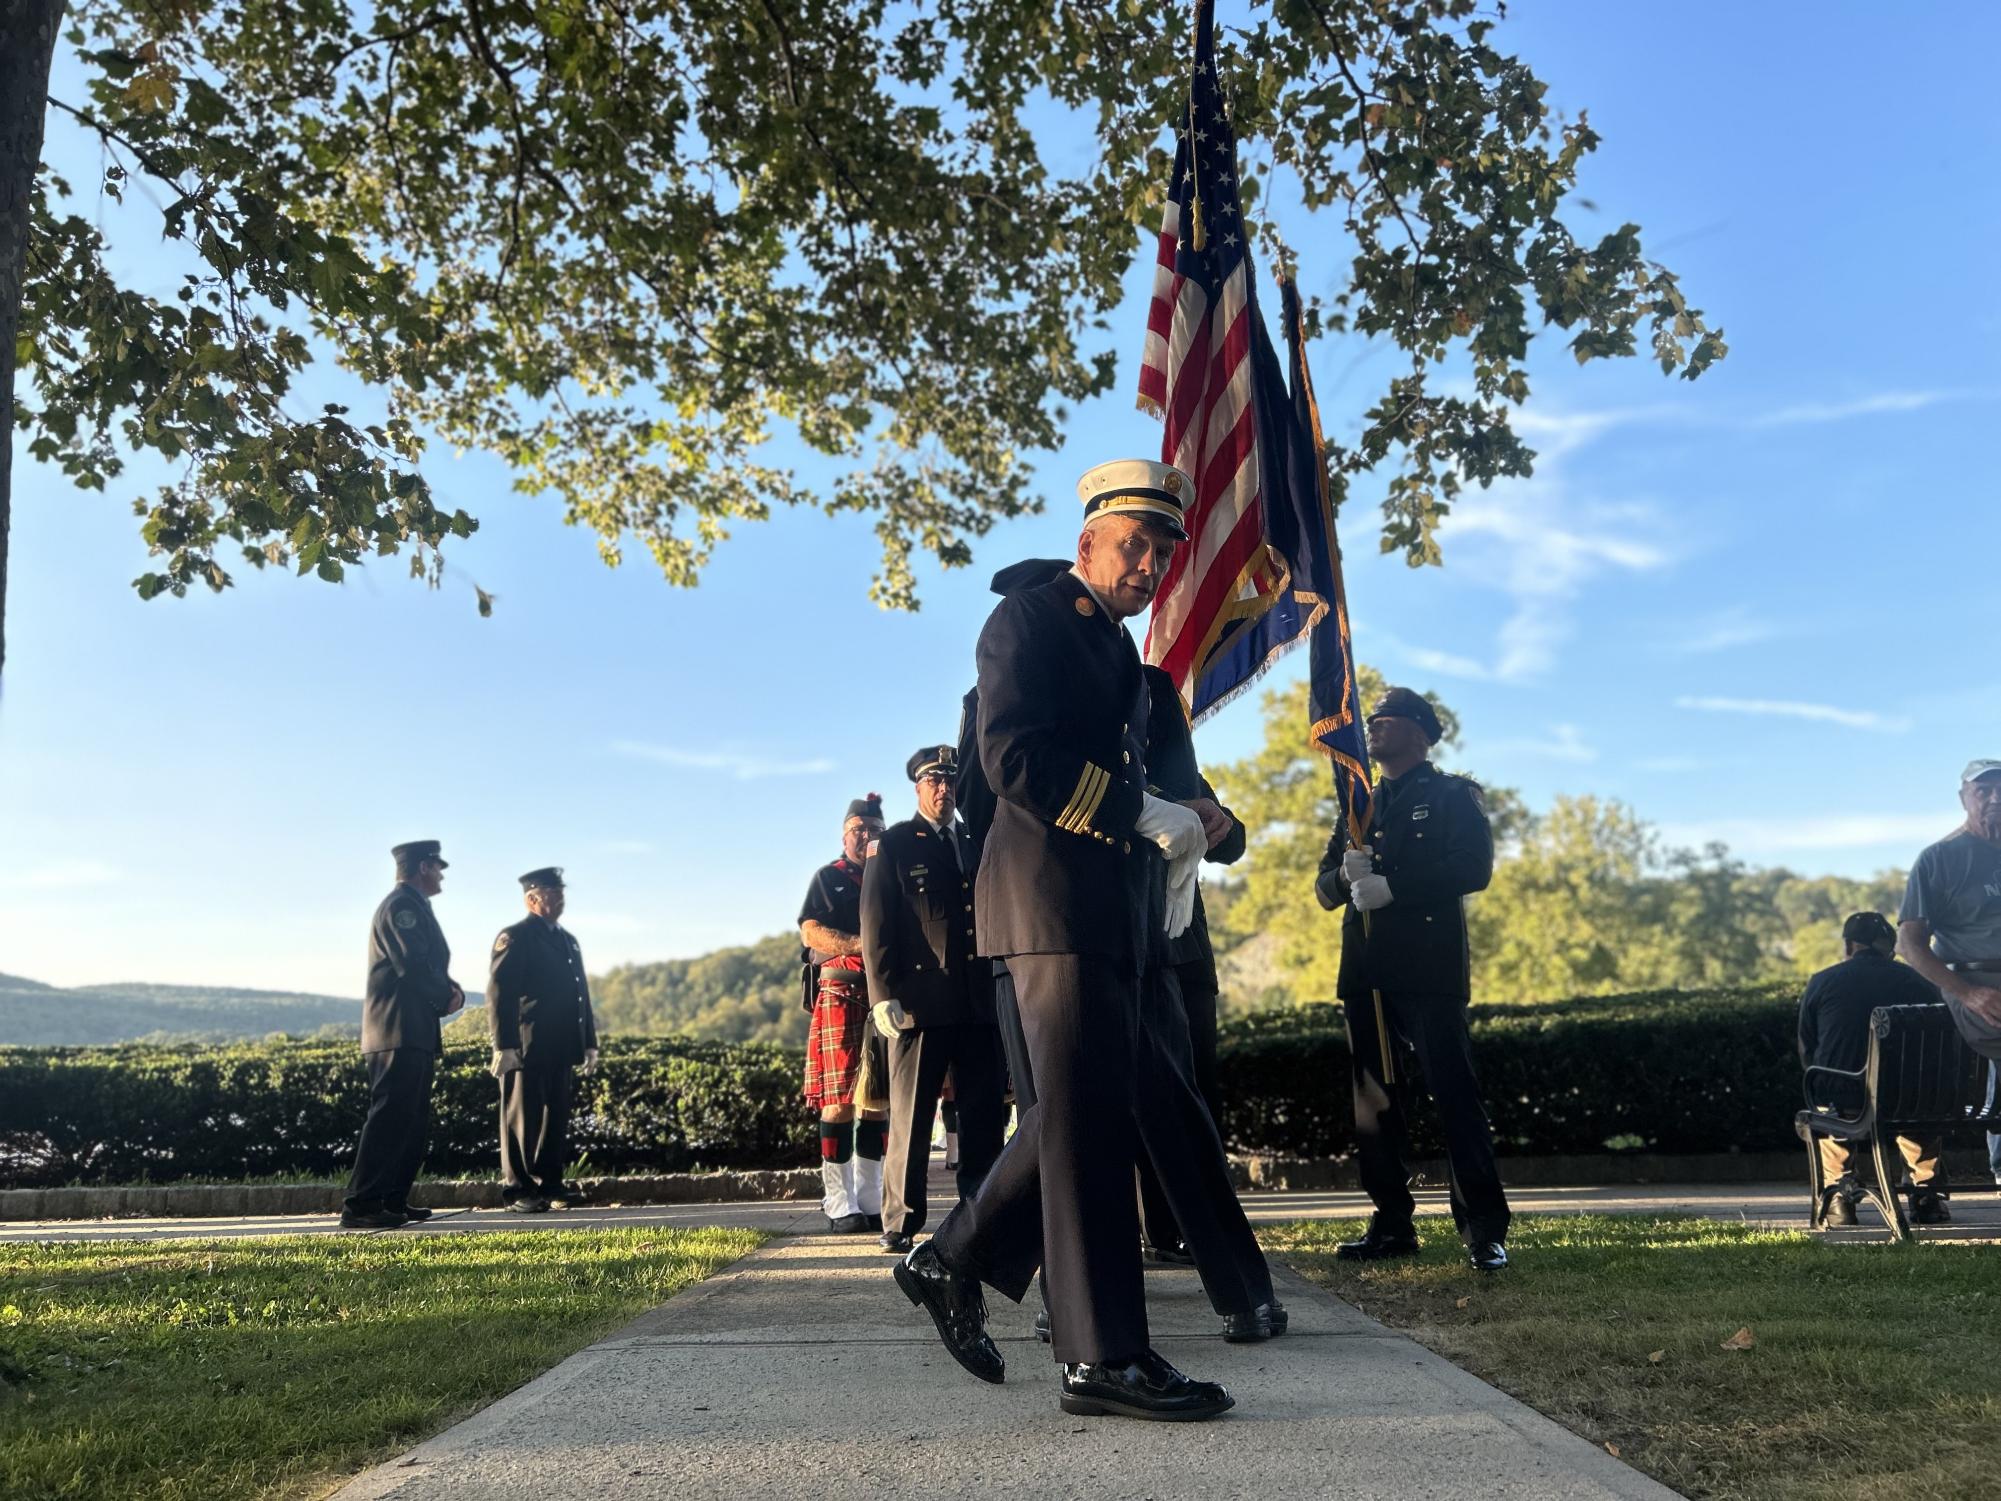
830 926
1405 960
930 995
1834 1033
1064 894
409 992
538 1015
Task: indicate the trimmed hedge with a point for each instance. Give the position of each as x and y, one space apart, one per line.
161 1114
1666 1071
1659 1071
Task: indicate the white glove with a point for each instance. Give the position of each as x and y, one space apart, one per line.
590 1059
890 1018
1371 892
1355 864
506 1061
1177 831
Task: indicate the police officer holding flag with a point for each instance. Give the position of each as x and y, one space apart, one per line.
1406 966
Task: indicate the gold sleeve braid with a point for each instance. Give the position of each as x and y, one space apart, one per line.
1083 805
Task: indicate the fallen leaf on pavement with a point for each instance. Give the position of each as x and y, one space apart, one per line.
1612 1449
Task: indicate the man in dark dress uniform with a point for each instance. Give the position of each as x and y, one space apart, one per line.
931 996
1065 895
1834 1033
830 928
409 991
1404 957
538 1014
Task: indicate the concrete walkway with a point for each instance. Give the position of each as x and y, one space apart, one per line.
1976 1214
802 1372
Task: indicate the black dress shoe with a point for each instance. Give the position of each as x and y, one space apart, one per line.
528 1204
1143 1387
874 1222
1174 1255
1928 1207
1248 1328
899 1244
956 1306
1379 1243
849 1224
1487 1255
1042 1325
1277 1317
374 1219
410 1212
1837 1208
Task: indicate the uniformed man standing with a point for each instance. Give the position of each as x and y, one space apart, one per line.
1405 959
830 927
931 995
1065 895
409 991
538 1014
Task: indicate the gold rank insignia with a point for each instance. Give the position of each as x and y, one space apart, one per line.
1085 607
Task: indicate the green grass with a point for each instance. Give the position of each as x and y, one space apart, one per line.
206 1370
1875 1372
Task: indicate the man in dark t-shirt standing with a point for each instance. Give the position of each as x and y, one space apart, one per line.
1949 930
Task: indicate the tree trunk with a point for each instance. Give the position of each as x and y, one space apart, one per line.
27 47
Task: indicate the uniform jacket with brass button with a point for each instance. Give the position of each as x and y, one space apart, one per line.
409 988
1062 721
538 999
1433 844
917 928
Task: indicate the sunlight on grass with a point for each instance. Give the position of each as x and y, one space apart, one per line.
200 1371
1870 1371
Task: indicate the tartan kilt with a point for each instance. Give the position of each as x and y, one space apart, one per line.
840 1032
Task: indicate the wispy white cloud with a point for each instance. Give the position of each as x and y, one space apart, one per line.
1444 663
67 875
1722 631
741 765
1910 831
1668 764
1779 708
1564 743
1817 412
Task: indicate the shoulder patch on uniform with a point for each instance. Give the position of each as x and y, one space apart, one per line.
1084 606
500 944
1475 791
406 919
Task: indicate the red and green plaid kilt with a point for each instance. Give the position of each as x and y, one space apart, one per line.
840 1029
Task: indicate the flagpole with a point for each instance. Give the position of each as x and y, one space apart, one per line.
1289 297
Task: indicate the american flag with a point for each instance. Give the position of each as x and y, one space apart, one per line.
1226 609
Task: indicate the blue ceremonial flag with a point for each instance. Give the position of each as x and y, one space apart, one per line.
1334 694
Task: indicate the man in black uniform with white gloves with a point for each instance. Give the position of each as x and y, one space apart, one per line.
1064 894
1405 961
538 1014
930 995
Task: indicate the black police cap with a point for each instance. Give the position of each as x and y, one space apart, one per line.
417 851
1871 929
548 875
1408 703
932 758
1029 573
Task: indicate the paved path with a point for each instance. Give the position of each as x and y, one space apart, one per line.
802 1372
1977 1214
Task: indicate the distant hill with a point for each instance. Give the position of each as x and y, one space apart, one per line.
744 994
36 1015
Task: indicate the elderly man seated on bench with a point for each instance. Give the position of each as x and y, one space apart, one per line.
1834 1033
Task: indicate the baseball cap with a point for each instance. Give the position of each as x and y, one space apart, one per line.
1975 770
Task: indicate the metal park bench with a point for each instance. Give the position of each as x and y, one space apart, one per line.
1918 1076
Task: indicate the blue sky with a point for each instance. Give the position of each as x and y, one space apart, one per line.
1753 607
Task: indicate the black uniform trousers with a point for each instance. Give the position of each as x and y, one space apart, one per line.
1434 1026
1061 1194
1198 1005
392 1137
918 1061
535 1107
1014 1041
